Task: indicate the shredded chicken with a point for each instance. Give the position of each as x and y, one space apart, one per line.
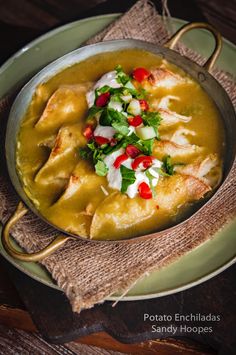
207 170
170 117
164 102
179 136
166 147
162 77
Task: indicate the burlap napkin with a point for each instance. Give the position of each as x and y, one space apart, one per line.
87 272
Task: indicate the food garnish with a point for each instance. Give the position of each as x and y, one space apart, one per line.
121 145
140 74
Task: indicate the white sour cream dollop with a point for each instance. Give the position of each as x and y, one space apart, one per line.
107 79
114 176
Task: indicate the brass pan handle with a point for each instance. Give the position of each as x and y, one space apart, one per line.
189 26
20 211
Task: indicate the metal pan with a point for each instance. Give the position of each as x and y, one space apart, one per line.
200 74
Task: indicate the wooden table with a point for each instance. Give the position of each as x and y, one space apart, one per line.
51 311
13 314
21 21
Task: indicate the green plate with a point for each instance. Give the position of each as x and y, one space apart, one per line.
199 265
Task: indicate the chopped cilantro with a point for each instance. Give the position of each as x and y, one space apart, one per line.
132 139
105 118
109 149
146 146
94 110
138 94
168 166
97 152
128 178
84 153
118 117
116 91
118 136
91 146
109 115
116 98
141 94
121 128
152 119
101 168
102 90
121 77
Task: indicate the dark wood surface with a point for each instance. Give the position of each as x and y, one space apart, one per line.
51 313
20 22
